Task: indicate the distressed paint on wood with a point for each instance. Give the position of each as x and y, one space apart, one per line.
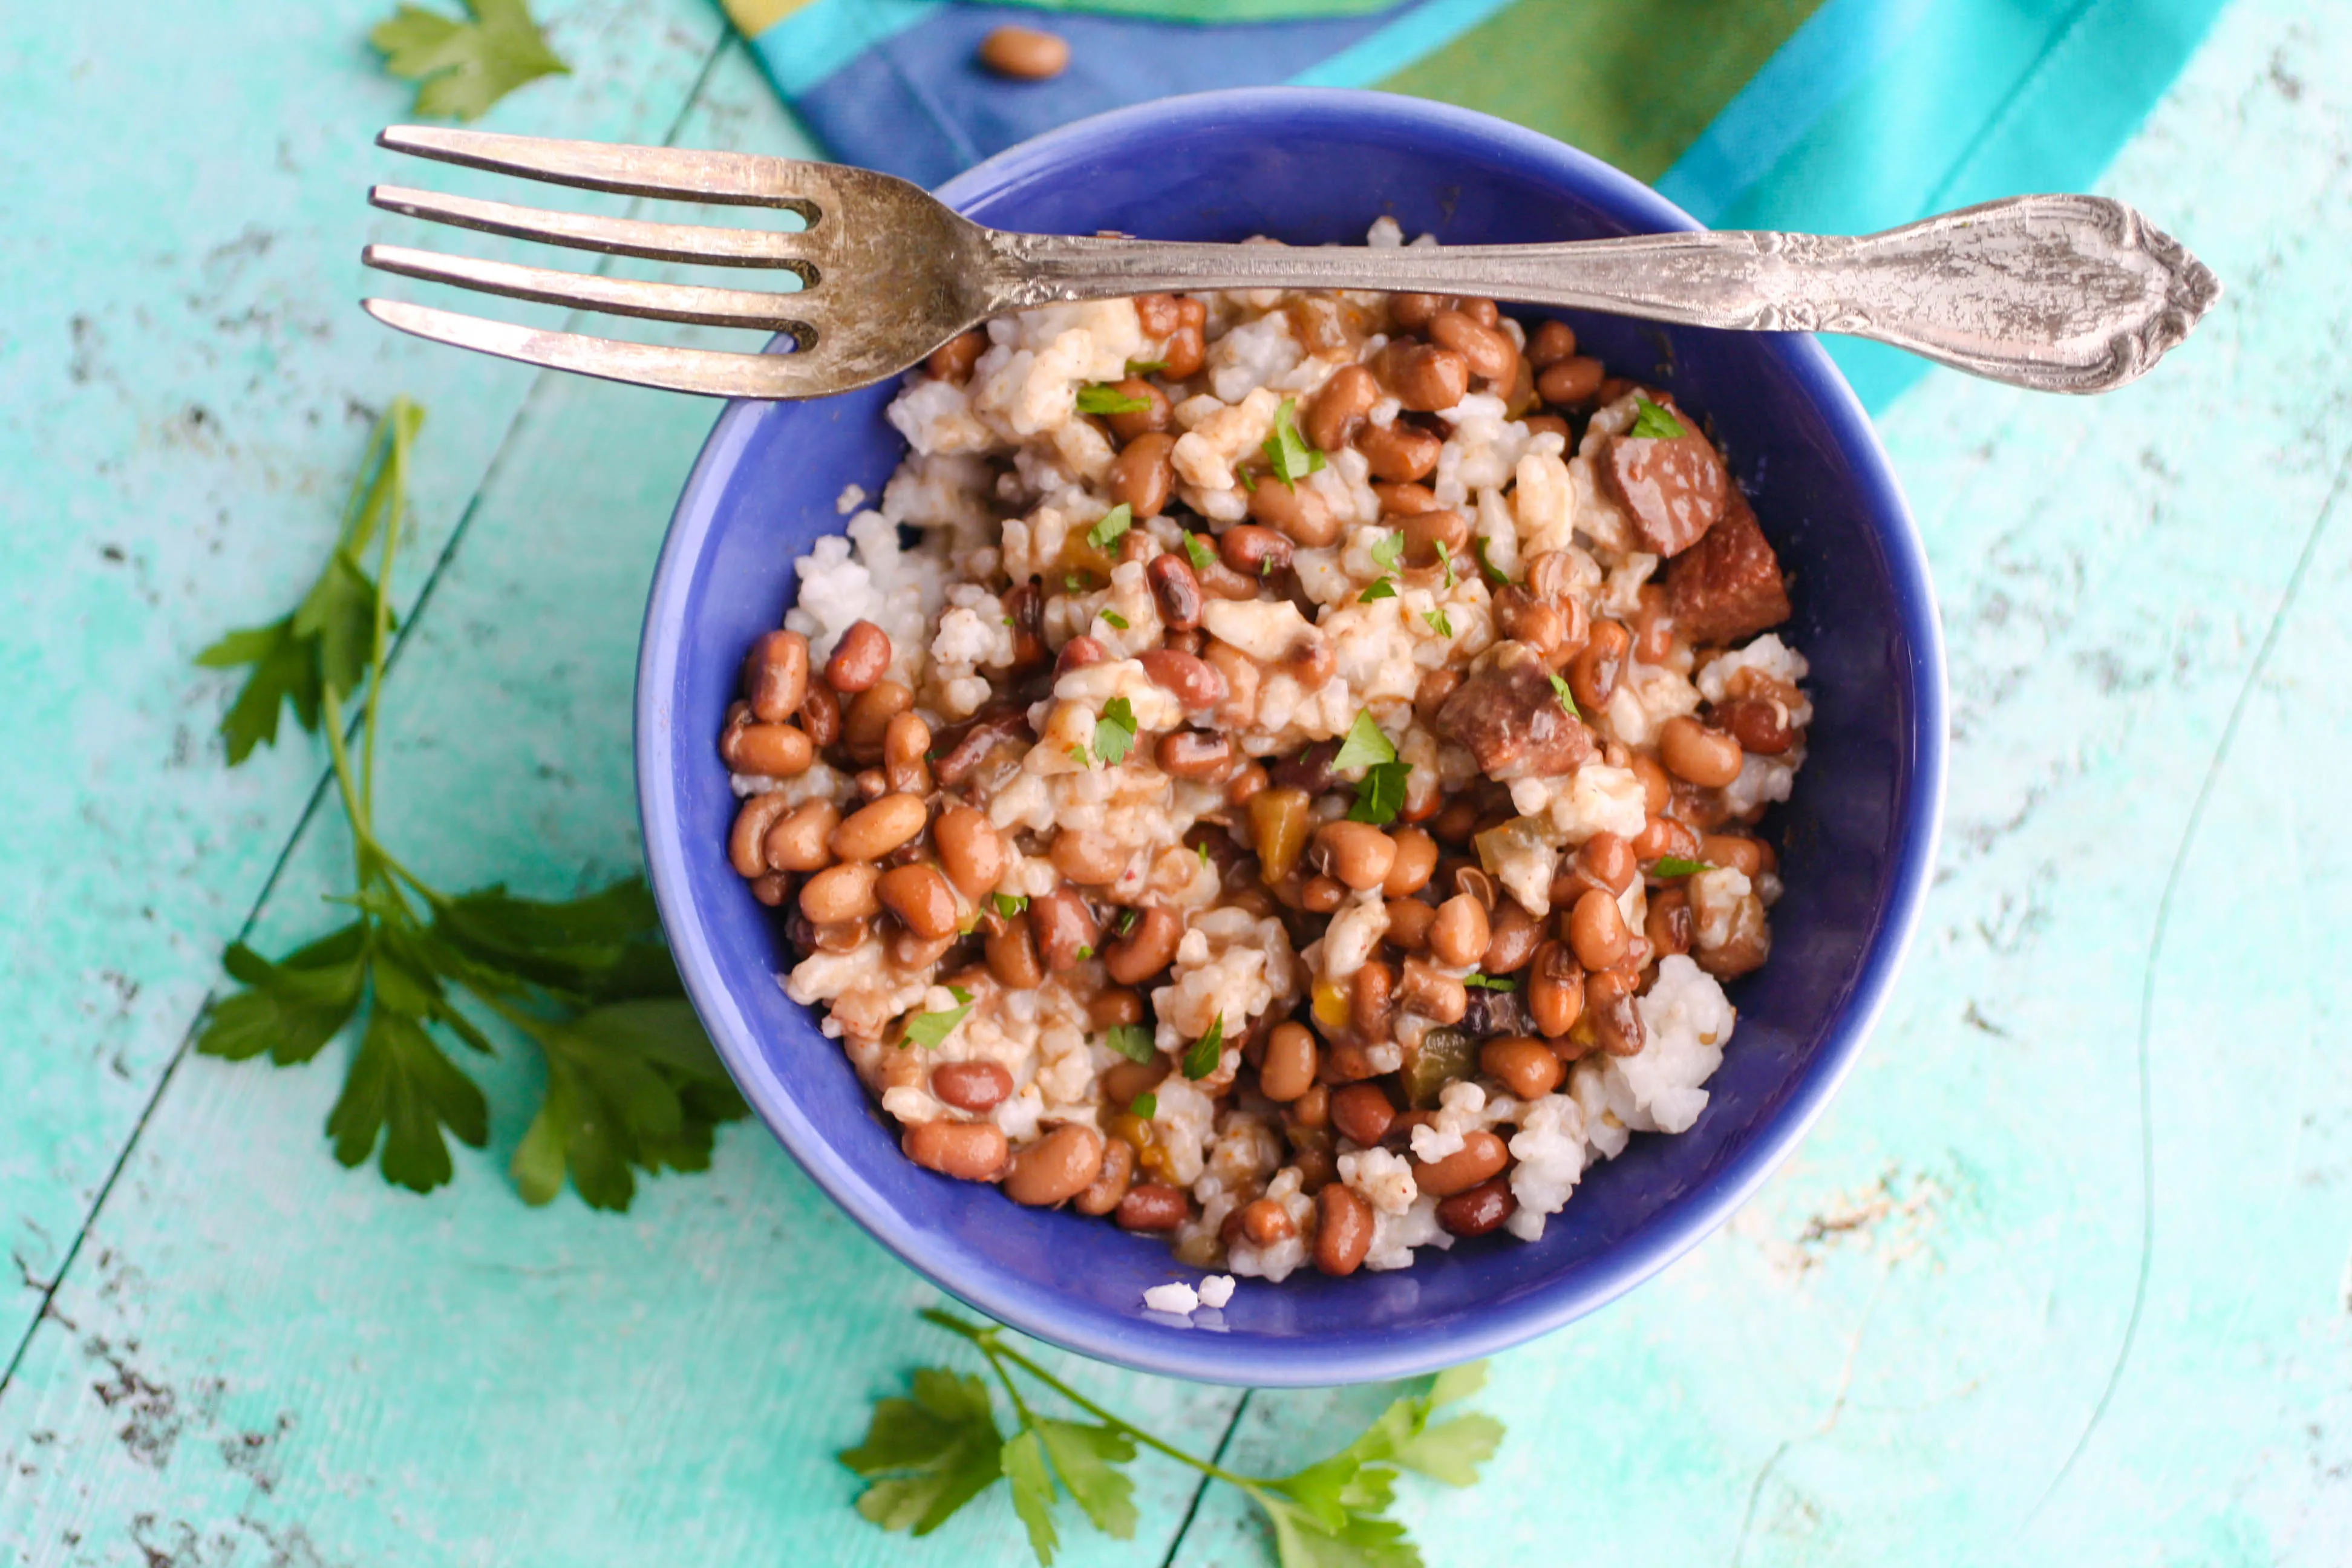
1889 1356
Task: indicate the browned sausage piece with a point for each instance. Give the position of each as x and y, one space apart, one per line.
1673 489
1510 719
1729 586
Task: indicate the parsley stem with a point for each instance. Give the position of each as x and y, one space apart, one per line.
396 462
368 851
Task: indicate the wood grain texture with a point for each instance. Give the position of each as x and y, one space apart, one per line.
2062 1277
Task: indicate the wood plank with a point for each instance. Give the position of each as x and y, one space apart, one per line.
185 387
1893 1355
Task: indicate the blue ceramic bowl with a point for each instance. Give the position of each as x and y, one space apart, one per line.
1316 166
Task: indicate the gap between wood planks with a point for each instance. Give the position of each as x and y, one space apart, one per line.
319 790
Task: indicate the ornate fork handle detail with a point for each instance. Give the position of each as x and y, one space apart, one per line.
2056 293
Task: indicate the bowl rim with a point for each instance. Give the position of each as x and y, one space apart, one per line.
1039 1310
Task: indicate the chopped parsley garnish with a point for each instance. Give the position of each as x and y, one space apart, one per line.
1675 866
1380 795
929 1030
1381 588
1203 848
1651 423
1207 1051
1365 744
1132 1041
1073 584
1086 950
1287 455
1136 367
1387 555
463 68
1567 698
1438 622
1115 618
1495 575
1115 732
1490 982
1126 922
1146 1105
1009 904
1104 398
1198 551
1078 755
1114 522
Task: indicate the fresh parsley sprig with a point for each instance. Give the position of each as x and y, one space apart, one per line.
1380 794
631 1081
1104 397
463 68
926 1456
1387 555
1288 457
1651 423
1202 1056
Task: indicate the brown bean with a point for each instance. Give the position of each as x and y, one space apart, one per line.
1219 580
1267 1222
1593 673
1300 513
1288 1069
1109 1185
1608 997
1490 355
844 892
1555 990
1668 924
1012 956
906 745
1192 681
1175 591
776 676
1405 500
1247 784
1278 831
1552 342
1154 1205
1759 726
972 852
1416 857
1596 931
968 1150
1025 54
1088 855
1194 754
768 750
1343 1231
1512 939
753 818
1399 451
1335 411
1361 1111
859 658
868 718
1662 837
971 1086
1482 1209
1427 379
1064 927
1079 653
1147 949
1142 476
1657 788
1371 999
1435 996
952 360
1153 415
1157 314
1253 550
1542 424
820 716
1434 537
1115 1006
1322 895
1481 1157
1742 854
1057 1168
1409 924
873 831
1571 383
1187 350
1357 853
1606 860
1458 935
772 889
1525 1067
921 899
1709 758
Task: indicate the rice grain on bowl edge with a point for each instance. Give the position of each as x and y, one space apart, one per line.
1522 972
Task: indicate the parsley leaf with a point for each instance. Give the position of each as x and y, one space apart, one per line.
1492 572
1490 982
1103 397
466 67
1439 622
1287 455
1115 618
1651 423
1675 866
629 1084
926 1457
1023 1459
1567 698
1083 1457
1365 744
1136 367
1078 755
1145 1105
1207 1051
1086 950
1009 904
1380 795
1132 1041
929 1030
1388 554
1197 550
1111 526
1381 588
1115 732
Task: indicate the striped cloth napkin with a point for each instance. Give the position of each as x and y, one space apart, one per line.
1834 116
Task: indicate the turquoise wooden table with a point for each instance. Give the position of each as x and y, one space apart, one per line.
2061 1278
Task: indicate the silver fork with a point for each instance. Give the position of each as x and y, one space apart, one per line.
2057 293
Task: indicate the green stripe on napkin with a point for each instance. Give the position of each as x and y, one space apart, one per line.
1212 10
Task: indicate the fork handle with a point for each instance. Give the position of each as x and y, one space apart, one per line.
2055 293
